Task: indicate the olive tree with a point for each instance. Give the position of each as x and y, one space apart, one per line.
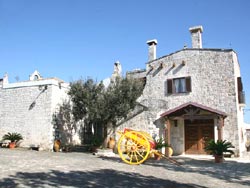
98 106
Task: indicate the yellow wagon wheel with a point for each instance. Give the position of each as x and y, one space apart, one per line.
133 147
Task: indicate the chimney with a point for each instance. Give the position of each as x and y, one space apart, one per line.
5 79
196 36
152 49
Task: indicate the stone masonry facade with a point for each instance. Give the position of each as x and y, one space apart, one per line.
28 107
213 73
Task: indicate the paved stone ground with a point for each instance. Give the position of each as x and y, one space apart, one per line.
26 168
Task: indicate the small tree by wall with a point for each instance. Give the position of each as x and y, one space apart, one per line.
98 106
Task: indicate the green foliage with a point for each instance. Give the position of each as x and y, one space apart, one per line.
96 141
12 137
85 96
160 143
120 98
99 105
219 147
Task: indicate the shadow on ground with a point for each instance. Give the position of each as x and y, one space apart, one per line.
229 171
78 179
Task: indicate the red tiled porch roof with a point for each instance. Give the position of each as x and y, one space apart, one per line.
169 112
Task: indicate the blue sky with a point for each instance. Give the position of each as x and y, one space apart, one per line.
72 39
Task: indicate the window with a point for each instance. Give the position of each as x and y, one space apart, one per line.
178 85
36 77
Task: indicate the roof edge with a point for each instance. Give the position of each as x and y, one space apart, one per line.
194 49
196 105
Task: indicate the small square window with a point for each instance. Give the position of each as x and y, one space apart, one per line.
178 85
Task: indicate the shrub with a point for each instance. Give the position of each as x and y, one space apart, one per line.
219 147
160 143
13 137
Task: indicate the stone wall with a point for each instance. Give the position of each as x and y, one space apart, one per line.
28 109
177 137
213 81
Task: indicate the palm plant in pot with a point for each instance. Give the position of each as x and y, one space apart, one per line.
13 138
159 144
218 148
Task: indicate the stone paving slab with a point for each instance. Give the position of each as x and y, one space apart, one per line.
27 168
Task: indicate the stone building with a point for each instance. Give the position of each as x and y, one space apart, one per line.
27 107
191 96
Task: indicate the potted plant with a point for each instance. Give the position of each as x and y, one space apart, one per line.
217 149
159 144
57 145
13 138
96 142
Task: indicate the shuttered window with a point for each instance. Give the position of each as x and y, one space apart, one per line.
240 86
241 93
178 85
170 86
188 84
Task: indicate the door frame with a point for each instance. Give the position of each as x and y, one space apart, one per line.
198 124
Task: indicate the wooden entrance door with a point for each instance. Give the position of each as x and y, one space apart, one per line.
196 135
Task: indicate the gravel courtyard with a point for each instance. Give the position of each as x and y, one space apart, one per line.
27 168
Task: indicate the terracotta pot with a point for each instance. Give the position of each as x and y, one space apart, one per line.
218 158
111 143
12 145
57 145
94 149
248 148
157 157
169 151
